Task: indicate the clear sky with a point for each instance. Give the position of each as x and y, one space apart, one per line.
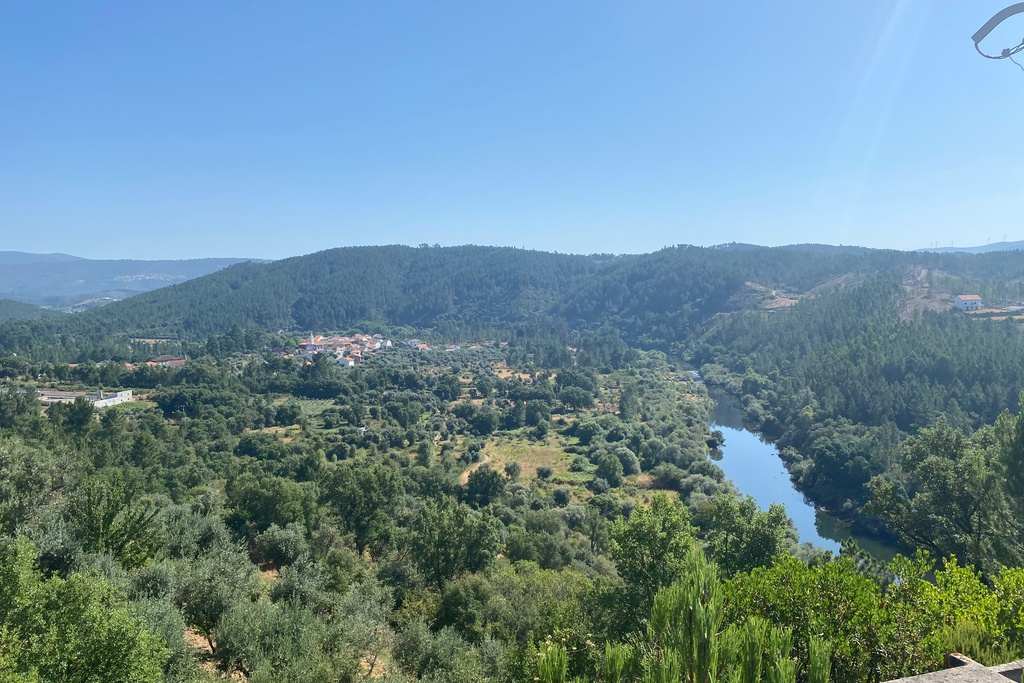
268 129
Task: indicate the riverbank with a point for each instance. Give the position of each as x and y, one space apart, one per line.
756 468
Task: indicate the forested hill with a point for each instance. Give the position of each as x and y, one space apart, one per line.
654 300
16 310
421 287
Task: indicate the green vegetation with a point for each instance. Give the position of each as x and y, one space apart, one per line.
16 310
540 506
658 300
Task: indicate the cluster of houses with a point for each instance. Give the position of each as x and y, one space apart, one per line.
416 344
349 351
355 349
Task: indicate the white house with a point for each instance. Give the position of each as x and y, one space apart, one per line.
968 302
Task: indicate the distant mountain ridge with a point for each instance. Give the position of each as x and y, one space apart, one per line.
657 299
74 283
988 248
15 257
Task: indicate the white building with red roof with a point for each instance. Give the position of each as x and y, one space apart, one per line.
967 302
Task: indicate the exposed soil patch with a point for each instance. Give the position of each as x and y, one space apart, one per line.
779 302
373 667
464 477
198 642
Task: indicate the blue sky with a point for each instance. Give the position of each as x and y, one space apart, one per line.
269 129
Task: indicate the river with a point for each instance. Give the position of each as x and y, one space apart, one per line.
755 467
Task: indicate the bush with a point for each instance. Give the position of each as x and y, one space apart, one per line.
610 469
303 583
599 485
519 495
562 496
154 581
281 546
463 605
627 458
579 464
163 620
513 470
190 533
699 483
441 656
668 476
544 472
587 431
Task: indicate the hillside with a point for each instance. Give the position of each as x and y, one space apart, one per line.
522 479
452 290
10 258
16 310
61 280
654 300
481 286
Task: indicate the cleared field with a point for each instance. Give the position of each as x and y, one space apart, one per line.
778 302
311 407
530 455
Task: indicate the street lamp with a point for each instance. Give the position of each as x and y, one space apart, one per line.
990 25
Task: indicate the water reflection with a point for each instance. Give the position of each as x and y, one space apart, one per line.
756 469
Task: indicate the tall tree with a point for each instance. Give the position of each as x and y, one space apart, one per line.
446 538
75 630
649 550
364 496
948 497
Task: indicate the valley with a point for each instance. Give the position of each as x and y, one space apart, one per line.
460 463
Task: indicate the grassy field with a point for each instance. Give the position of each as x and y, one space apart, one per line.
533 454
311 407
547 453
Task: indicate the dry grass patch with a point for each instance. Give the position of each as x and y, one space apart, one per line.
778 302
530 455
502 370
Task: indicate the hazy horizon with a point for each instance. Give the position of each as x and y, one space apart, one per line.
512 246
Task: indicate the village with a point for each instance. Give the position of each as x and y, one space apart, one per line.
347 351
351 350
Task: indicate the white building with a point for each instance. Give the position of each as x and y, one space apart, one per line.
101 399
968 302
111 398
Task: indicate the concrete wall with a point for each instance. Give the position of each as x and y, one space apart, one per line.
113 399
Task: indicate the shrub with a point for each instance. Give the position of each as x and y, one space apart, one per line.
610 469
562 496
281 546
513 470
